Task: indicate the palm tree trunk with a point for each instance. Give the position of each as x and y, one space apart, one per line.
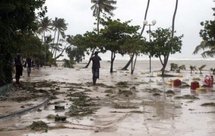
145 17
57 42
98 22
44 35
52 50
166 58
60 54
173 19
142 30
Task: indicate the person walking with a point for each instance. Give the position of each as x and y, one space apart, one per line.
28 64
19 68
95 66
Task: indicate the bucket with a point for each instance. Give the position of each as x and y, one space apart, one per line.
208 81
194 85
177 83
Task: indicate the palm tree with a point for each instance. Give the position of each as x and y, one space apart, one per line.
207 47
101 6
201 68
44 26
145 17
172 35
142 30
59 26
192 68
173 19
208 39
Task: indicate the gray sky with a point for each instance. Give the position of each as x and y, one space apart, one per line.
78 15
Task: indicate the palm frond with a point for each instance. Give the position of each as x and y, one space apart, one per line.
202 67
210 53
199 47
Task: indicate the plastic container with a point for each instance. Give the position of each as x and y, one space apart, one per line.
177 83
208 81
194 85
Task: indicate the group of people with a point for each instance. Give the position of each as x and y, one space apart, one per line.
19 67
28 63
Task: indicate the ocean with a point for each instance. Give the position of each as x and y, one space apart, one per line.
143 65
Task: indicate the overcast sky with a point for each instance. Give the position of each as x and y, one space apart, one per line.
190 13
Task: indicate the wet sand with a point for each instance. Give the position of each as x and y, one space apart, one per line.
128 105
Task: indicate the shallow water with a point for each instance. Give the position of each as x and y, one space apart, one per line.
154 116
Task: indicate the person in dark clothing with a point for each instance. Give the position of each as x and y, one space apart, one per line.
95 66
19 68
28 64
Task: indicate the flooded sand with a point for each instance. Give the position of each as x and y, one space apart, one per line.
122 104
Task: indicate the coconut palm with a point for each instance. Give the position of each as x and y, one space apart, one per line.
201 68
173 19
192 68
172 34
102 6
145 17
213 70
208 47
142 30
44 26
59 26
208 43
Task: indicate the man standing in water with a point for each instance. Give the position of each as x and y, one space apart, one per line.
95 66
28 64
19 68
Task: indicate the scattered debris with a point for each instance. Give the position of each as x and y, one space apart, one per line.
50 116
170 92
109 91
156 94
124 106
208 104
186 97
39 126
126 93
122 84
81 105
59 108
60 118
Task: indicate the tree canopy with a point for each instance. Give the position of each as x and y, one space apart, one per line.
17 20
164 44
208 39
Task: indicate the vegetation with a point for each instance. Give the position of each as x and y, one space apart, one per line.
208 39
101 6
17 21
201 68
115 35
192 68
25 29
141 33
176 68
39 126
163 45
